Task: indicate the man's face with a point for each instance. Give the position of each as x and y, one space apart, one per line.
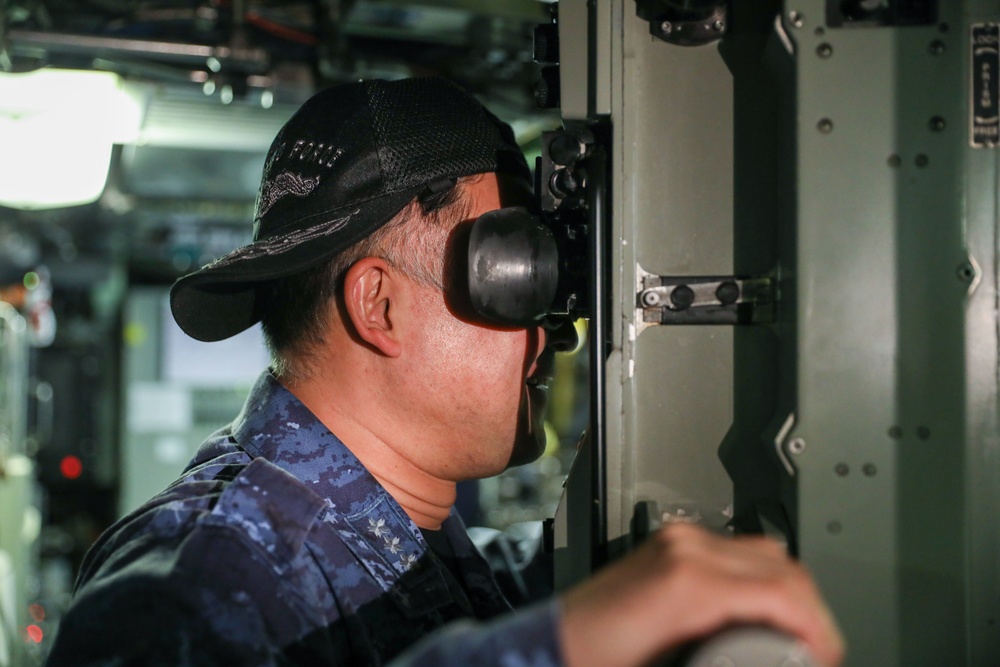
482 388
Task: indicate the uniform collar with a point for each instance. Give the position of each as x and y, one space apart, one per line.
276 426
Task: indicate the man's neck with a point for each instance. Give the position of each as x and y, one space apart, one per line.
425 498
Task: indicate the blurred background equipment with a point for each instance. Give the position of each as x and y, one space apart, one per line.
19 515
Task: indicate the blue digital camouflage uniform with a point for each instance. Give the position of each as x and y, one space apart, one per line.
276 547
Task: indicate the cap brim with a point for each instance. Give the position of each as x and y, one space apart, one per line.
220 299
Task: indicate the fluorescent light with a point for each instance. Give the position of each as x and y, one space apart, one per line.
57 128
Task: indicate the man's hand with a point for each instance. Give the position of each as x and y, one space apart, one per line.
684 584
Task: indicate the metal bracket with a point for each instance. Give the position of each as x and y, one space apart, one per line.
705 300
685 23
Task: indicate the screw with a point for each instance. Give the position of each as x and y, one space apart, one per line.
666 27
719 26
966 272
796 445
650 298
796 19
842 469
825 125
937 123
824 50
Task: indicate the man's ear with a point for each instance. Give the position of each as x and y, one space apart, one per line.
369 297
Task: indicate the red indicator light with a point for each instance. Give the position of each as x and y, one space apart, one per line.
35 634
71 467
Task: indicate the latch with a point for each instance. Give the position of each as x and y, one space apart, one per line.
705 299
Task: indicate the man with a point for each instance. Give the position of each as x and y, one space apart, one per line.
318 528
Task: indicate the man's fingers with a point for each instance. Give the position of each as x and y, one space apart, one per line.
686 583
767 586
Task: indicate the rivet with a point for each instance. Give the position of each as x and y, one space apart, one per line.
834 527
894 161
895 432
921 160
937 123
824 50
923 432
796 445
842 469
682 296
937 47
727 293
825 125
869 469
666 27
796 19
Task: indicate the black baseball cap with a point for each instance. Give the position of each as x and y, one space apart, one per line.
350 159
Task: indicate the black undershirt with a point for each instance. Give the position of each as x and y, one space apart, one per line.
439 544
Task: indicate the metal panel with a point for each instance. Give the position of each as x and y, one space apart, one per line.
673 184
881 314
982 182
862 424
574 59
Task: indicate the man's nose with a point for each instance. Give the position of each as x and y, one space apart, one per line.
563 338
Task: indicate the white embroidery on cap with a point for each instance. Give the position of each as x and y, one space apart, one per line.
284 184
283 243
319 153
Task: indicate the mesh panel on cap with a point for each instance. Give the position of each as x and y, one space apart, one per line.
425 133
